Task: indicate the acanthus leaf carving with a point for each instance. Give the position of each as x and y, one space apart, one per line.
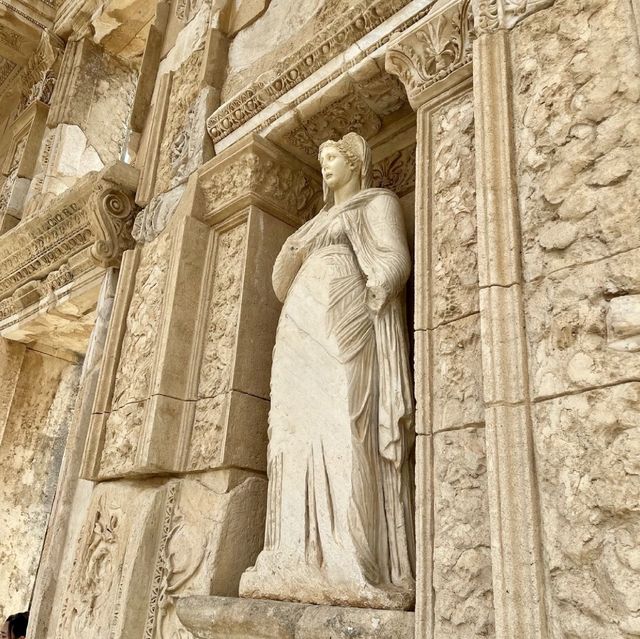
257 171
515 10
397 172
434 49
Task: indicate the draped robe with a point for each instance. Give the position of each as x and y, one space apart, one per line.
339 524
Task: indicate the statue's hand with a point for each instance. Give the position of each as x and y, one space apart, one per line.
293 247
375 298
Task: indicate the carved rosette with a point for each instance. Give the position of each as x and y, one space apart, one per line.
256 172
86 227
433 50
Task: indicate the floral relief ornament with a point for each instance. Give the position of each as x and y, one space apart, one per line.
434 50
495 14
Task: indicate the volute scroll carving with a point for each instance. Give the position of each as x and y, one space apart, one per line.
113 222
86 227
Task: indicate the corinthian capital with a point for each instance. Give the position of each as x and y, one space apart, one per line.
434 52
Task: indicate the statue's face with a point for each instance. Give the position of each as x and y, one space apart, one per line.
335 168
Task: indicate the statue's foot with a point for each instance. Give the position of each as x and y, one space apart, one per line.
305 584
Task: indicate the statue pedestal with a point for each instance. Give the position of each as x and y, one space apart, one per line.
231 618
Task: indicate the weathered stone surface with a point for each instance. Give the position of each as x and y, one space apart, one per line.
454 274
456 393
72 493
212 531
576 97
279 23
154 218
226 618
66 155
33 440
462 555
122 26
146 543
566 315
111 576
587 452
133 379
185 144
207 438
623 323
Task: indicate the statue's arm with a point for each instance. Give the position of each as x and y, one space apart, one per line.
286 267
392 265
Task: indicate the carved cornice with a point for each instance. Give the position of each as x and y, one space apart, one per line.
254 171
492 15
432 51
334 39
87 226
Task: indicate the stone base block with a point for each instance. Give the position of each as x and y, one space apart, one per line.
231 618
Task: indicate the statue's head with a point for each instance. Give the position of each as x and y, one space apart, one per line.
343 159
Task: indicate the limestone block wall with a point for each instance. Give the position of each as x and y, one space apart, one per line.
526 283
576 88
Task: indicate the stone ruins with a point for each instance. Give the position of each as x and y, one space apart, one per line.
320 319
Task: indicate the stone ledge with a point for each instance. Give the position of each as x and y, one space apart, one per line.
231 618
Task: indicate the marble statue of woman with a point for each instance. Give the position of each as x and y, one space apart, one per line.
339 526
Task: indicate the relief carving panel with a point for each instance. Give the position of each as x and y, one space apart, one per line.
181 129
133 379
211 531
220 336
110 580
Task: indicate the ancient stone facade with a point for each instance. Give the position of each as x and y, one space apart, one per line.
156 155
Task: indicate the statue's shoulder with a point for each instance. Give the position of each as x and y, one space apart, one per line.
381 199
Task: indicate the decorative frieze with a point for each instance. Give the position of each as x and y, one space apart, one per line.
435 50
93 219
331 41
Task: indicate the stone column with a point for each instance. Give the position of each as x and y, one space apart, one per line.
73 493
513 497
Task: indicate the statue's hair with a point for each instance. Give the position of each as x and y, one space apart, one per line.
357 153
